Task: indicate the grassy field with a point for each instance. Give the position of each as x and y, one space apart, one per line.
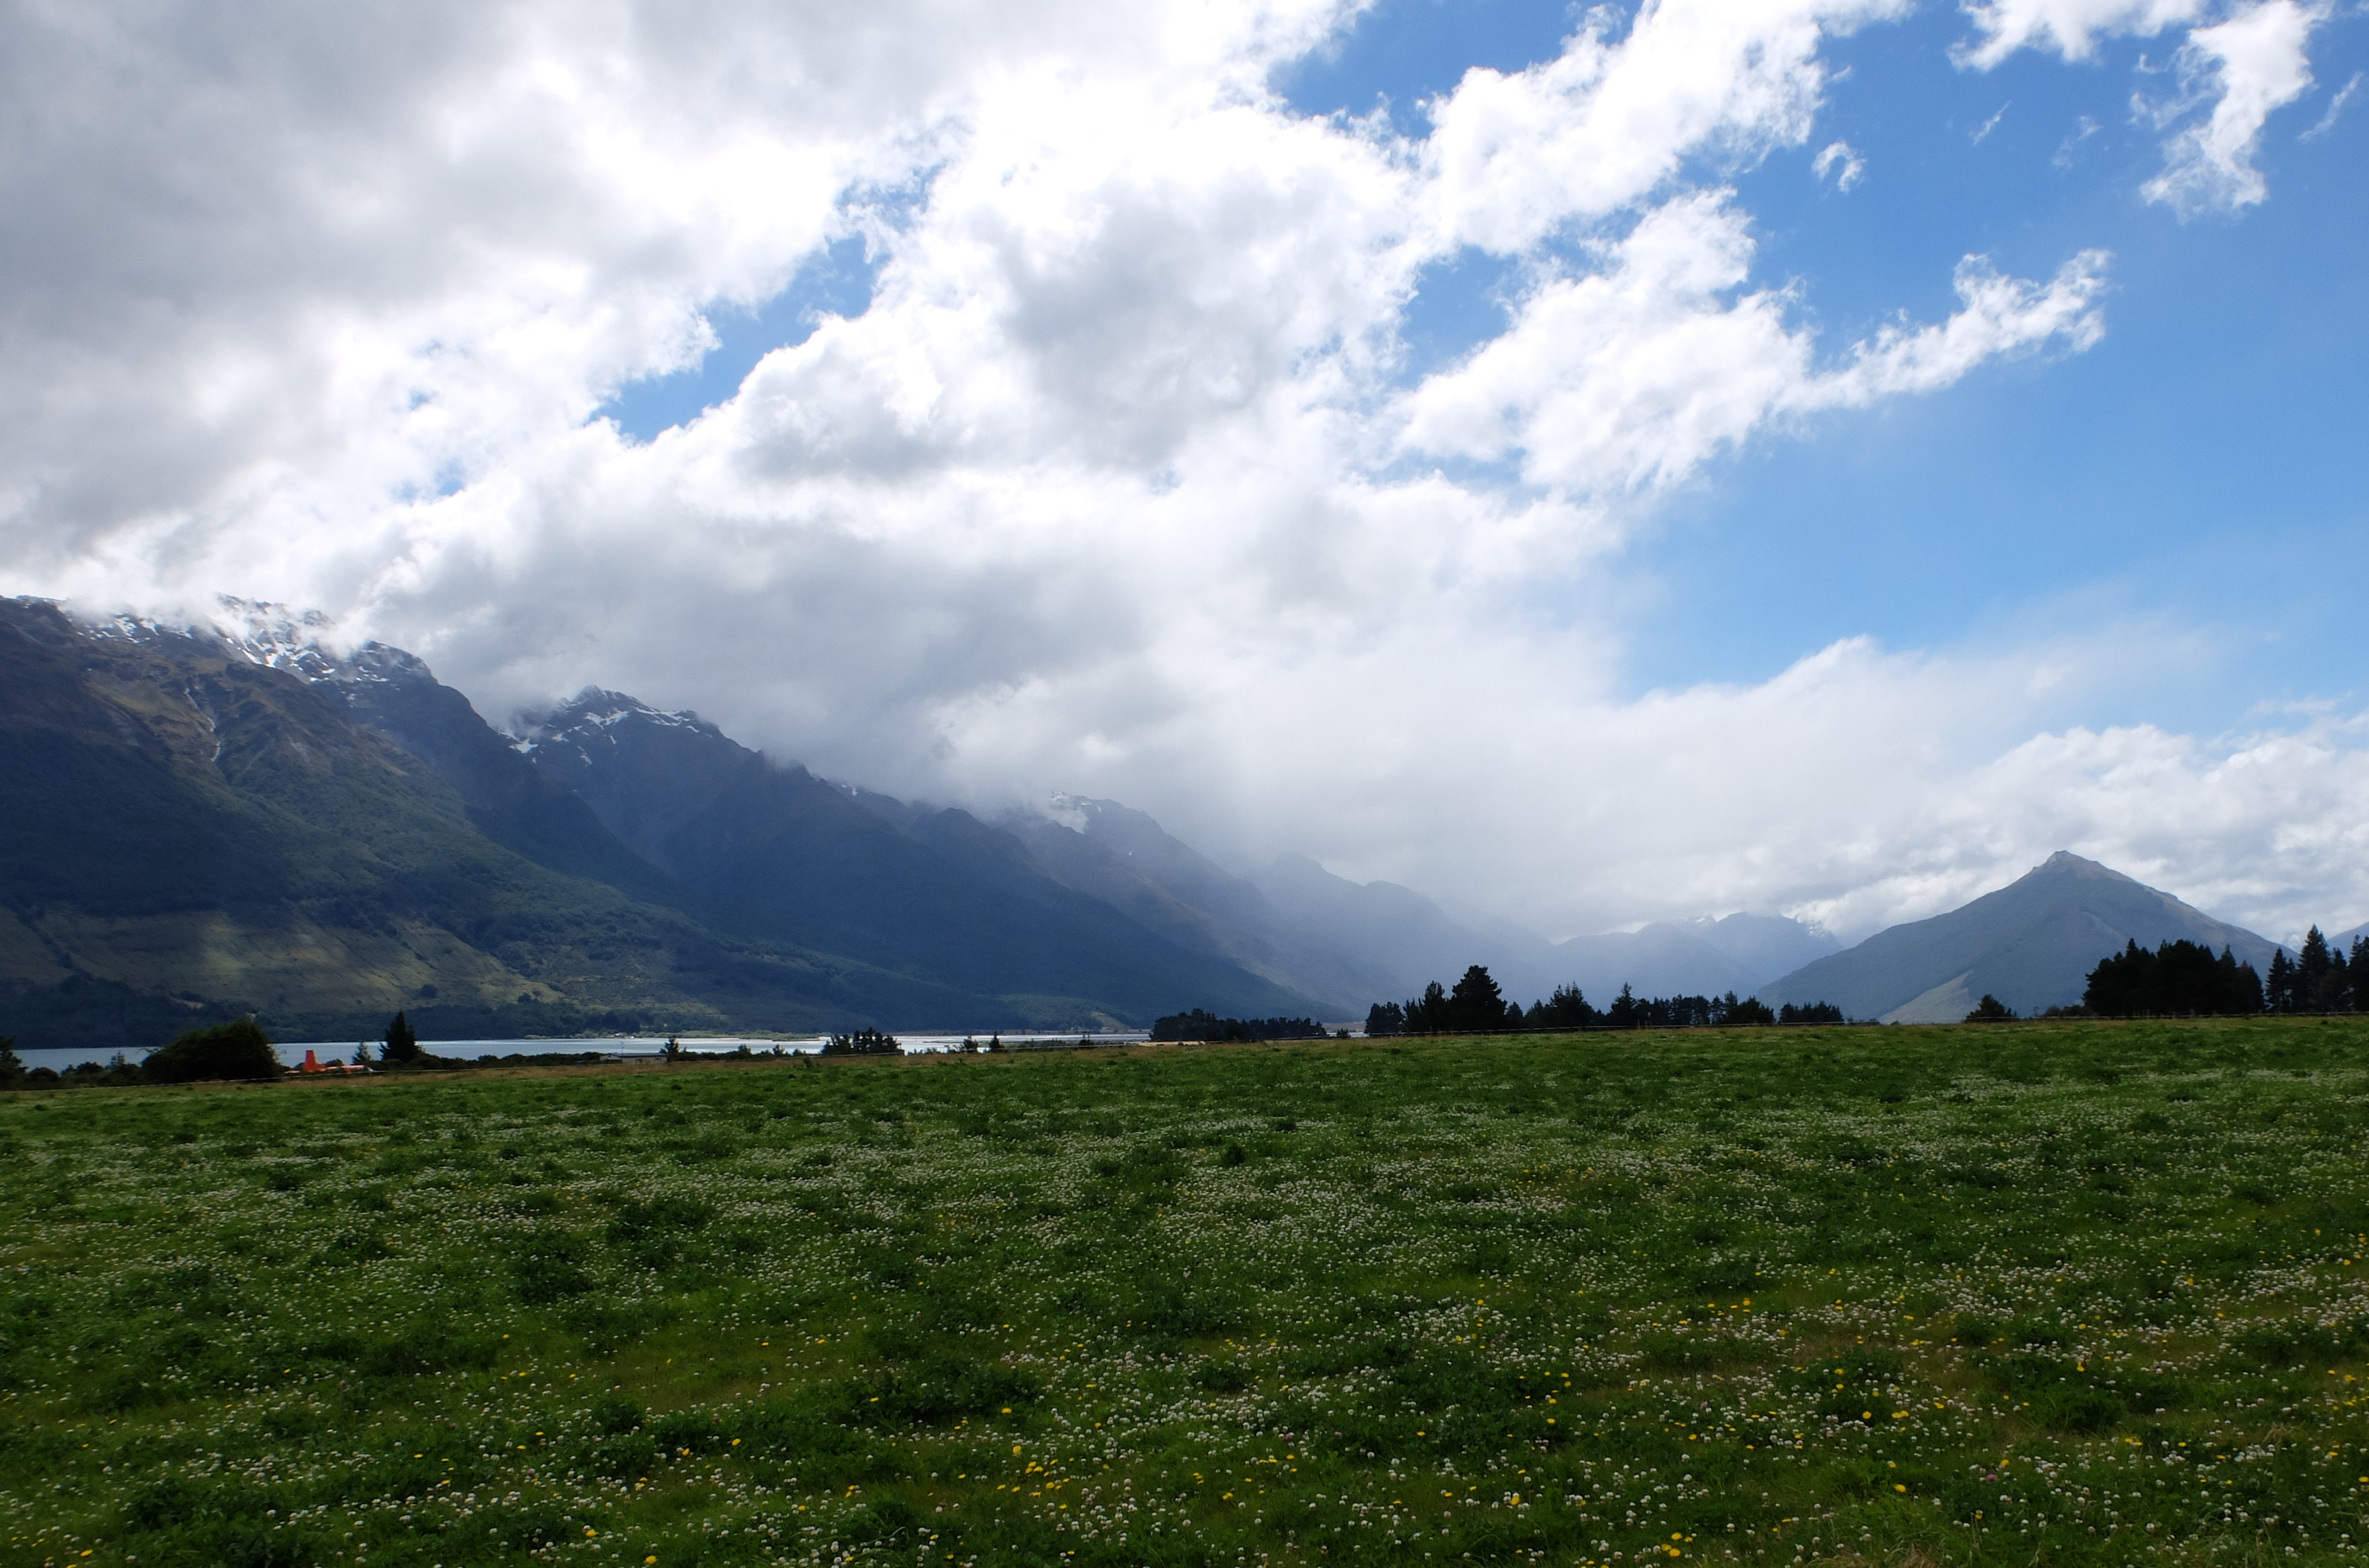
2034 1294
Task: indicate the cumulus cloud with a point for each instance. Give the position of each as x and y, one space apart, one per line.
1606 123
1116 483
2254 62
1635 374
2070 28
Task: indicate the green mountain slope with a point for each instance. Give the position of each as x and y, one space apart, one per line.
192 832
774 853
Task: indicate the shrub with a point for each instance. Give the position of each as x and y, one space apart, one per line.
236 1049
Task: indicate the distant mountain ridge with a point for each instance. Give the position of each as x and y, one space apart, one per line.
2031 943
207 821
774 852
241 817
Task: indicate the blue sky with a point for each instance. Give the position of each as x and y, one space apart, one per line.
836 280
1701 548
2199 470
2204 467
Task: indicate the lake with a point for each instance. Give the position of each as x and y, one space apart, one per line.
292 1052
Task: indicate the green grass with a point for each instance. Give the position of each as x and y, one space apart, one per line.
2082 1294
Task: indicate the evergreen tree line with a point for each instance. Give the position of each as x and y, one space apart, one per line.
1476 1006
2318 979
2184 979
2177 980
1203 1025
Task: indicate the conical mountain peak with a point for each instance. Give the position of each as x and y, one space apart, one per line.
2032 943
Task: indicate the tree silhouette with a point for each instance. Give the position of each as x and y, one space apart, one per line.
1476 1004
235 1049
402 1045
1566 1009
2279 986
2177 980
1749 1011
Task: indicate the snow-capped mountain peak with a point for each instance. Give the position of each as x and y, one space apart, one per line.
586 717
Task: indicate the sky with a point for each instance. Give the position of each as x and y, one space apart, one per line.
1591 465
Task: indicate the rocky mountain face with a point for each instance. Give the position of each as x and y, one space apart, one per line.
2031 943
206 822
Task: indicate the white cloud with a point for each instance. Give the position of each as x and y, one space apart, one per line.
2253 61
2257 62
1636 373
2261 829
1607 123
1114 486
2067 150
2327 121
1853 167
2070 28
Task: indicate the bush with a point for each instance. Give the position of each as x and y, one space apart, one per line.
236 1049
862 1042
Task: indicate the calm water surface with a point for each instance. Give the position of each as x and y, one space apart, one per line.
627 1046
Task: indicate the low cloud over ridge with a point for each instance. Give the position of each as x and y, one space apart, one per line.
1119 483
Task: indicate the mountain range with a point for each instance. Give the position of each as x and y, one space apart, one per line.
204 823
207 821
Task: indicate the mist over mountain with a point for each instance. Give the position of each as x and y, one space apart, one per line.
1123 857
215 820
773 852
1766 947
2031 943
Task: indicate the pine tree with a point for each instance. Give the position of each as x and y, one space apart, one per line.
2279 988
1476 1003
402 1045
2311 974
1428 1015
